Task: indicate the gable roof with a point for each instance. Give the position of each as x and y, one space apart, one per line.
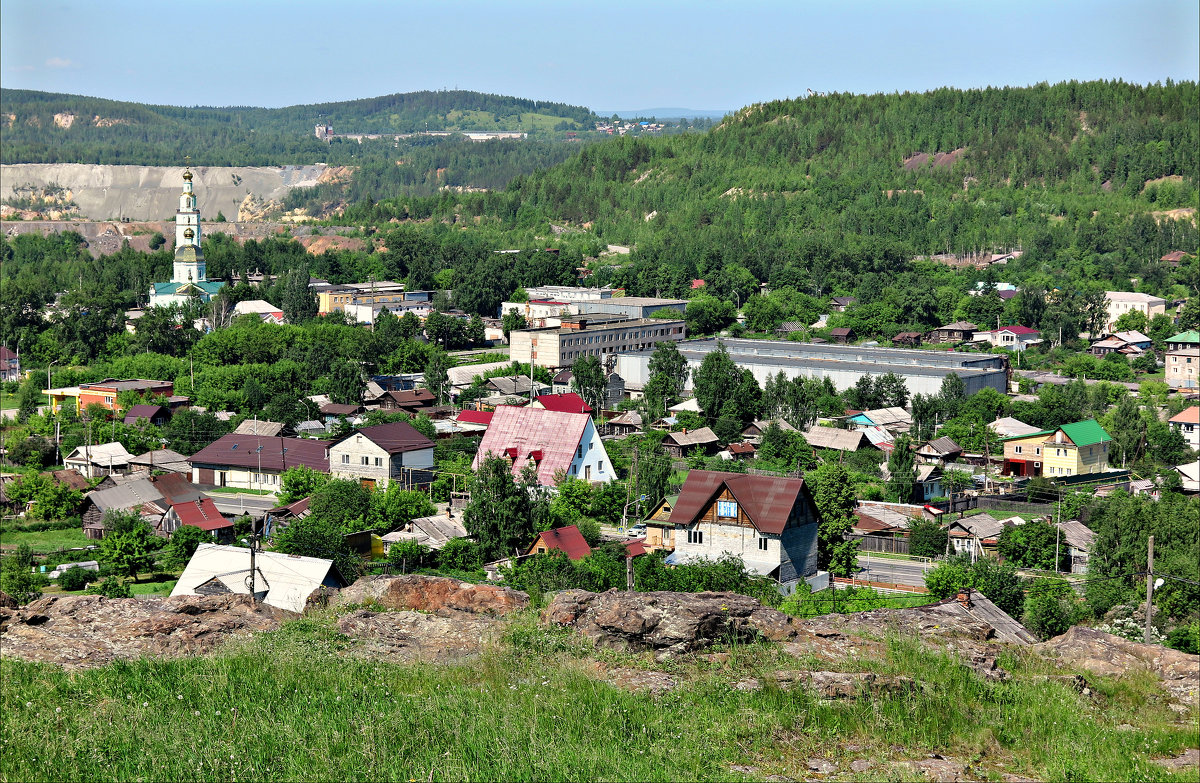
960 326
72 478
242 451
394 438
831 438
700 437
1018 330
942 445
1085 433
1190 336
523 433
889 417
412 398
1010 427
6 354
162 459
1189 415
766 500
1077 534
259 427
569 402
202 514
100 453
147 412
289 579
980 525
567 540
475 417
741 448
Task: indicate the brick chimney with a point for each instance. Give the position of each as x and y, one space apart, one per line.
964 598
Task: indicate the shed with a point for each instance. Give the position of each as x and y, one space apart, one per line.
567 540
283 581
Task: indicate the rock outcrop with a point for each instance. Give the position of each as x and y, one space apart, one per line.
1105 654
669 623
432 594
91 630
410 636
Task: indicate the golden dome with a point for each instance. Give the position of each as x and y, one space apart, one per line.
187 175
189 234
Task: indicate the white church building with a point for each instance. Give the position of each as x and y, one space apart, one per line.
188 280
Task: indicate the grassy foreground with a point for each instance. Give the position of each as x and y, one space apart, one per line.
296 705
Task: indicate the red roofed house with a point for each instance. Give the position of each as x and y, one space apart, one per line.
154 414
554 441
10 364
1187 422
769 522
1015 338
474 421
201 513
567 540
569 402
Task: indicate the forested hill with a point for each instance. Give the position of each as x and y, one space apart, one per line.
825 193
42 127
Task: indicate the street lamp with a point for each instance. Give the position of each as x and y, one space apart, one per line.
625 510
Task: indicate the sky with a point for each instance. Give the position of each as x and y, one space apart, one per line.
607 55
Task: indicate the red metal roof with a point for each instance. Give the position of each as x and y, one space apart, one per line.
567 540
475 417
517 432
635 547
741 448
202 514
412 398
766 500
6 355
568 402
1017 330
242 451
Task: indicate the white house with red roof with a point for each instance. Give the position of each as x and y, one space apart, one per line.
1187 421
10 364
1014 338
555 442
201 513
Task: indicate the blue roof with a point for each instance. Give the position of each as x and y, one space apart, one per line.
209 287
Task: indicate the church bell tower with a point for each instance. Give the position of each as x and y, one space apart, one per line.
189 259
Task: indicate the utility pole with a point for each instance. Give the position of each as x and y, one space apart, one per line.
253 595
1149 585
1057 535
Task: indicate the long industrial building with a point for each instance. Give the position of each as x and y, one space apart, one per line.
922 371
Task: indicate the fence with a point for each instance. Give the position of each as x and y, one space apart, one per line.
896 546
1014 506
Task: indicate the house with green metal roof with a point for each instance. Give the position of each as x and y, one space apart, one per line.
1076 449
1182 361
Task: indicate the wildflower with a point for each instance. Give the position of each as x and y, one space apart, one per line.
196 713
57 710
28 704
145 704
218 712
180 697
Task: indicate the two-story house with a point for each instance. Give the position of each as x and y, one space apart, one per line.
382 453
769 522
1023 453
1187 421
10 364
1182 360
1081 447
556 443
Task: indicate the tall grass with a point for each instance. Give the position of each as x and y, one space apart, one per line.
298 704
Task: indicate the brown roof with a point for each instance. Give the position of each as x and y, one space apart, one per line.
72 478
335 409
394 438
243 451
766 500
741 448
700 437
412 398
567 540
841 331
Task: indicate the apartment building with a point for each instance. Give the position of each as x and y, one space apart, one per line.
1121 302
588 335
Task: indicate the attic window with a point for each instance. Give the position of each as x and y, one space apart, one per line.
727 508
234 447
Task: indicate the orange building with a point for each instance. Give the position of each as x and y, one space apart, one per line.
105 392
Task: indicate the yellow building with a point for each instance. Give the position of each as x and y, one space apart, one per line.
660 532
1075 449
1023 454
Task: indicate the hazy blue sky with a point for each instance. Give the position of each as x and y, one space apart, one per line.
605 54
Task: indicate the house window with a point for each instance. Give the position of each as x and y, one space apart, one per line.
726 508
1016 449
695 537
379 462
366 460
762 543
345 459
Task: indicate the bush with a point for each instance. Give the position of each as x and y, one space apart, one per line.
112 587
926 538
460 554
75 578
1185 638
1047 612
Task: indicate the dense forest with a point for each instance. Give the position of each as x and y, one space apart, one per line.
119 132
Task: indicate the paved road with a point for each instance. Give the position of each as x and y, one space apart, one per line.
898 572
236 505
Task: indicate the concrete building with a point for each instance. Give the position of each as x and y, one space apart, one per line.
379 292
1121 302
922 371
377 455
568 293
591 336
540 312
631 306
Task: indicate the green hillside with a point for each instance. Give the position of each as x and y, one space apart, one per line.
42 127
836 195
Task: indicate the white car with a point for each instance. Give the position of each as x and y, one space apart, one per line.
637 531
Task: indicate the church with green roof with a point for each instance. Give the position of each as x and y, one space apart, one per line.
189 280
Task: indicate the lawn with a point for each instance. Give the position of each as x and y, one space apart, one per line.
296 704
47 540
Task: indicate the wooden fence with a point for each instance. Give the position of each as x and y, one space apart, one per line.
897 546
